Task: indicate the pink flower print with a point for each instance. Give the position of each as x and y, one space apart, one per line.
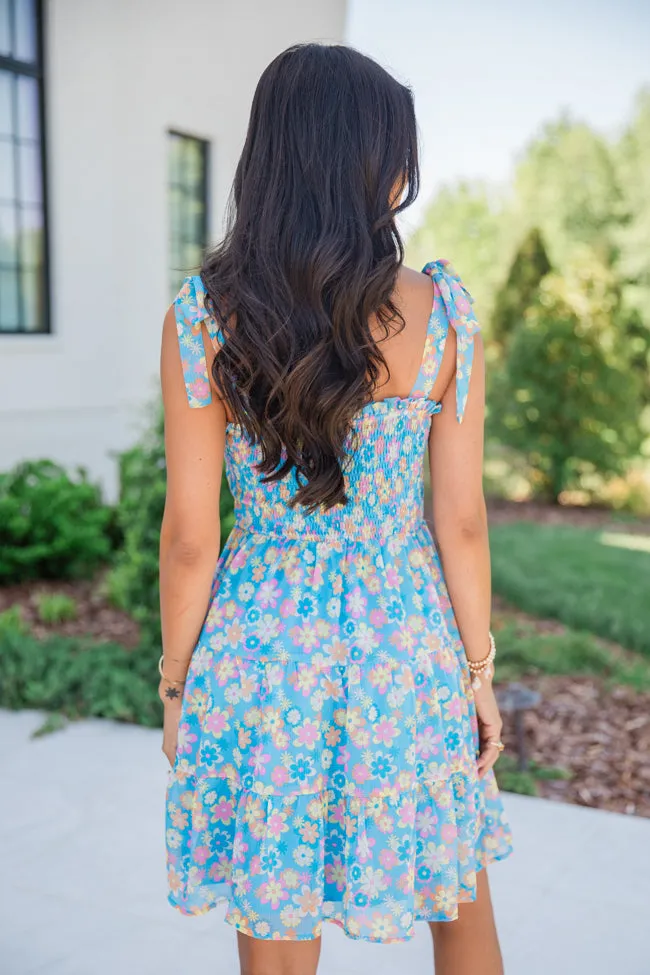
315 576
356 603
426 822
385 731
335 873
223 811
448 832
201 854
454 707
287 608
406 813
185 738
360 774
216 722
269 593
271 892
258 759
392 576
277 824
428 742
388 859
308 733
378 617
200 389
279 776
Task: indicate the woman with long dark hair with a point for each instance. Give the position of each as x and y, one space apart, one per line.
329 716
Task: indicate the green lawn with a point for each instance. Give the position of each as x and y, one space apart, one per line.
589 580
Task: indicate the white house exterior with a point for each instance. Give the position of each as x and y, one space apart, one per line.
118 78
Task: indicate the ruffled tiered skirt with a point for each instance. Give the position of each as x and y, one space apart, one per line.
326 761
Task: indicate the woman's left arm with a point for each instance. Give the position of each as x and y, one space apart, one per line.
190 532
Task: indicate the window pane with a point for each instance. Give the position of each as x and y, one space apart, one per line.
30 173
175 159
8 301
7 171
8 235
28 119
31 293
6 122
31 237
187 203
193 175
25 30
5 28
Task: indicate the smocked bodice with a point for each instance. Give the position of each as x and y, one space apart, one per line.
383 479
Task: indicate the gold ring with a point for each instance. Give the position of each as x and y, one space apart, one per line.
497 744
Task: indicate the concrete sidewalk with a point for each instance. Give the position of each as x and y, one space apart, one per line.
83 883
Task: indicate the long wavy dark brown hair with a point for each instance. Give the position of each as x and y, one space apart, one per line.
311 253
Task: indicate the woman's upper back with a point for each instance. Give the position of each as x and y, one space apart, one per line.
419 358
388 439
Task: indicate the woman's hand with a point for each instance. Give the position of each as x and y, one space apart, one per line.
172 715
489 726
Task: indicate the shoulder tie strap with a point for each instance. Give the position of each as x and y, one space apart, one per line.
191 315
458 310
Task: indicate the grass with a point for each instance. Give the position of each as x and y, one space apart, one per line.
55 607
589 580
524 650
511 779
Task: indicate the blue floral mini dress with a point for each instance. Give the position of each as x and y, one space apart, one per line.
326 759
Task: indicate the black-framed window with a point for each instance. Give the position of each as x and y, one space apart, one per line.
188 160
23 237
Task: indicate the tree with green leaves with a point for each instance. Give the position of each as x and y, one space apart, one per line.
516 294
566 397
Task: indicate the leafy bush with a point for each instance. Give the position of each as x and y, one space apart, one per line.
567 397
133 583
51 525
55 607
78 678
13 621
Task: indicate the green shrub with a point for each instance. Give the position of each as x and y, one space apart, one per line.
51 525
133 582
78 678
567 397
55 607
13 621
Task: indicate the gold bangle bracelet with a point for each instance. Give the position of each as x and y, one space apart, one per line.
162 674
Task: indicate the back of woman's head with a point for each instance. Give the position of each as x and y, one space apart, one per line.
311 253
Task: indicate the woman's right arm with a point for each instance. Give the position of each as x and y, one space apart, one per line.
460 528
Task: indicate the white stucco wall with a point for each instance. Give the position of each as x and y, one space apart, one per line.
119 75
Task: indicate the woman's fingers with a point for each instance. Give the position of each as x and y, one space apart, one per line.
489 751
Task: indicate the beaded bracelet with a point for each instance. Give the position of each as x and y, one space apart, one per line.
482 667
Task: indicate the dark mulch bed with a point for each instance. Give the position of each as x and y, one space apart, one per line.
599 734
603 519
95 618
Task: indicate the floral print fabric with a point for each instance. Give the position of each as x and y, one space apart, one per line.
326 760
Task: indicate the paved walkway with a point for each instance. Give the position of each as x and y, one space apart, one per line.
82 888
